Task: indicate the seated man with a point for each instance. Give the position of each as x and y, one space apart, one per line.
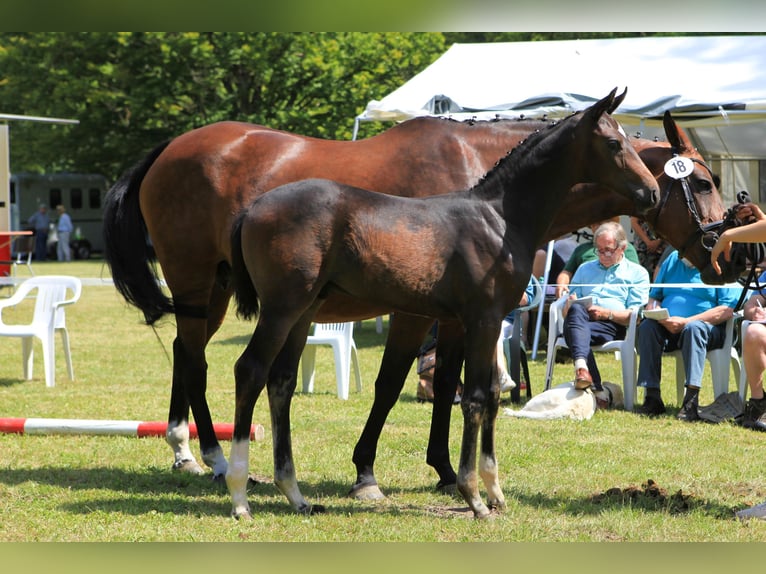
616 286
586 252
696 325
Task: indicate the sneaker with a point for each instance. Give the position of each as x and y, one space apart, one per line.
507 384
688 412
583 380
755 415
653 406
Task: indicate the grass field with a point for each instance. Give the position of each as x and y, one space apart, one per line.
554 474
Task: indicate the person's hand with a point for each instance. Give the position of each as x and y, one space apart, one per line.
561 290
723 245
749 213
674 324
596 313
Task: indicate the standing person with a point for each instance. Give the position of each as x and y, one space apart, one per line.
64 229
616 286
696 325
40 222
648 246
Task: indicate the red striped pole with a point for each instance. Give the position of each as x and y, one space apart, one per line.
223 431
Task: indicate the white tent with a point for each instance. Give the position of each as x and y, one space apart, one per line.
715 87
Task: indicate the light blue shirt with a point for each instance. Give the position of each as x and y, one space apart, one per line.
622 286
689 301
65 223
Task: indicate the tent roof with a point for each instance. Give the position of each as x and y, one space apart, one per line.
715 86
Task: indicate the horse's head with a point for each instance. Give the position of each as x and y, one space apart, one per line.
611 160
690 213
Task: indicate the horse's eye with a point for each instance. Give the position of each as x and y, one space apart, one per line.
615 145
703 186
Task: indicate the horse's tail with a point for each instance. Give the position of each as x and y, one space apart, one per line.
245 294
127 248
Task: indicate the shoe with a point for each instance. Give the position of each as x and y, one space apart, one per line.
583 380
688 412
507 384
755 415
653 406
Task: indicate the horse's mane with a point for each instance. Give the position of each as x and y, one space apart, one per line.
533 144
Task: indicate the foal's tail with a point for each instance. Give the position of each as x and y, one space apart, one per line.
127 248
245 294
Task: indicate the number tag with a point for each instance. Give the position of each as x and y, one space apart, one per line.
679 167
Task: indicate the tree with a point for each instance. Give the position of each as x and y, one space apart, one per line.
132 90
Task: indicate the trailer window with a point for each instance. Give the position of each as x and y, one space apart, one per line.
54 197
76 198
94 198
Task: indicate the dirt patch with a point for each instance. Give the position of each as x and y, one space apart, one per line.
649 495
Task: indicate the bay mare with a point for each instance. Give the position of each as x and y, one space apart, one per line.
294 246
185 192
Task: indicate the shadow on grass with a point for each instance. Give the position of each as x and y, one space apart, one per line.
159 491
13 382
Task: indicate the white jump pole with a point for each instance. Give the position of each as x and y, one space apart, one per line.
41 426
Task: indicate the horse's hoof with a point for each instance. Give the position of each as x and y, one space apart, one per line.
482 514
242 515
366 492
317 509
219 479
188 465
449 489
497 506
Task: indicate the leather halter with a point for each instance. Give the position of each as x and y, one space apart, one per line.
706 232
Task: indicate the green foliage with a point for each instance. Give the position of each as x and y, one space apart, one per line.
132 90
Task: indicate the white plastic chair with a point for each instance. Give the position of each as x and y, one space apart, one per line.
50 299
721 361
341 337
624 350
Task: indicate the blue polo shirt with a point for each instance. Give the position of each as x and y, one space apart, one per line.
688 301
621 286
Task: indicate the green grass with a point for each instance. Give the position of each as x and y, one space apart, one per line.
554 474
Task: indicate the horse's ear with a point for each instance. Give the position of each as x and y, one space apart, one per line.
676 136
618 100
601 107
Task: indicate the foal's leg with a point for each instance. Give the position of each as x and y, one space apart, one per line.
250 374
481 398
281 387
405 336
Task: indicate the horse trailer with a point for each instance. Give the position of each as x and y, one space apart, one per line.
81 194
